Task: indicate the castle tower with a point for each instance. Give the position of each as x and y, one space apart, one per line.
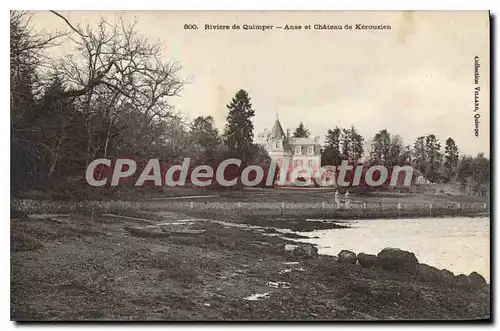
277 131
292 152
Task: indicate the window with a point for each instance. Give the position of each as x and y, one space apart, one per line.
298 150
310 163
298 163
310 150
278 144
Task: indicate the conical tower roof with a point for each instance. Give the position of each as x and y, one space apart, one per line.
277 130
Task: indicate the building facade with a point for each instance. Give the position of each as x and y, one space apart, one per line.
292 152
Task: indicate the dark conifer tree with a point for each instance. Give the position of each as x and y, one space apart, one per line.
238 133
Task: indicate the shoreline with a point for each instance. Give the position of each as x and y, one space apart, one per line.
248 210
458 260
337 214
92 267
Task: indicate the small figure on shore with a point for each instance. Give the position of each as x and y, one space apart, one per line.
337 199
347 200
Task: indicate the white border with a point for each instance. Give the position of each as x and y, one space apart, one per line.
260 5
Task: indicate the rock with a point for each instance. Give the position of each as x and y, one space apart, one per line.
302 250
431 274
397 259
347 257
447 274
367 260
463 279
476 278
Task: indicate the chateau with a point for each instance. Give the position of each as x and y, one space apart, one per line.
296 152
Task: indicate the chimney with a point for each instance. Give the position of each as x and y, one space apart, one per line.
316 139
287 134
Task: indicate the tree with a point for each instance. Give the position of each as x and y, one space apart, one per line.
108 95
351 143
205 136
301 131
356 148
112 63
59 128
330 153
419 154
450 159
481 174
381 148
238 132
389 150
464 171
398 156
27 52
473 174
433 158
406 155
164 138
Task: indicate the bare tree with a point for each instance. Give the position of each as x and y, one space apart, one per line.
113 62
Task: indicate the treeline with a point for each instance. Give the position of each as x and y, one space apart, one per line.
437 165
108 96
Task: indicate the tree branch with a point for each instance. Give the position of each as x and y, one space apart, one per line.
69 24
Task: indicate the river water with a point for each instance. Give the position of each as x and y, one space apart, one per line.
460 244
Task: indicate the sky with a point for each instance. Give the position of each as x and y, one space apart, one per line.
415 79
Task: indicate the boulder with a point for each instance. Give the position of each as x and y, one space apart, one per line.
428 272
447 274
463 279
347 257
302 250
476 278
431 274
397 259
367 260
